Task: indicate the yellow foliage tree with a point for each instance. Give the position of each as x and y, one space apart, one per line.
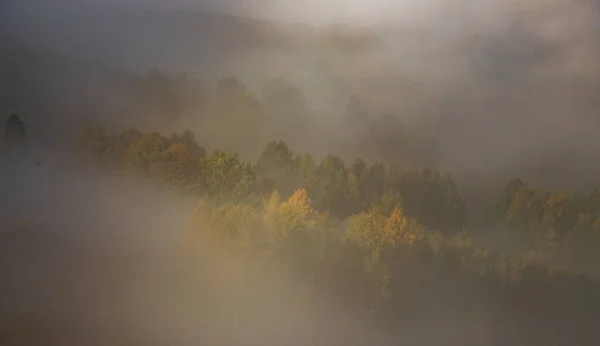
395 230
288 227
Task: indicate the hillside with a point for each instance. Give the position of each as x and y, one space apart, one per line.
498 75
216 179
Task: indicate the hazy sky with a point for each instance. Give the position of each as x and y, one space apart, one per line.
322 11
518 75
308 10
316 11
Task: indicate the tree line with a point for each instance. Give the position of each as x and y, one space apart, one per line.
334 186
389 244
560 226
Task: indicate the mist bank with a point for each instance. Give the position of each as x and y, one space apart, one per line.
488 92
92 257
488 89
89 258
96 256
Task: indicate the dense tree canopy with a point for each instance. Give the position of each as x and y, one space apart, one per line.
335 187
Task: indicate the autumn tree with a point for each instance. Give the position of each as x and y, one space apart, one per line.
379 238
289 227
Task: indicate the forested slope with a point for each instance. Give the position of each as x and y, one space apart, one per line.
385 244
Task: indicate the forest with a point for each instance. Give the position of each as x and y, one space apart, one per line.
388 243
397 248
240 180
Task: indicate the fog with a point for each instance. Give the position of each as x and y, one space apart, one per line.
516 78
485 89
76 250
94 258
90 258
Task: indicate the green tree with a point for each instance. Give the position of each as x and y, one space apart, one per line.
225 177
333 189
145 154
180 168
